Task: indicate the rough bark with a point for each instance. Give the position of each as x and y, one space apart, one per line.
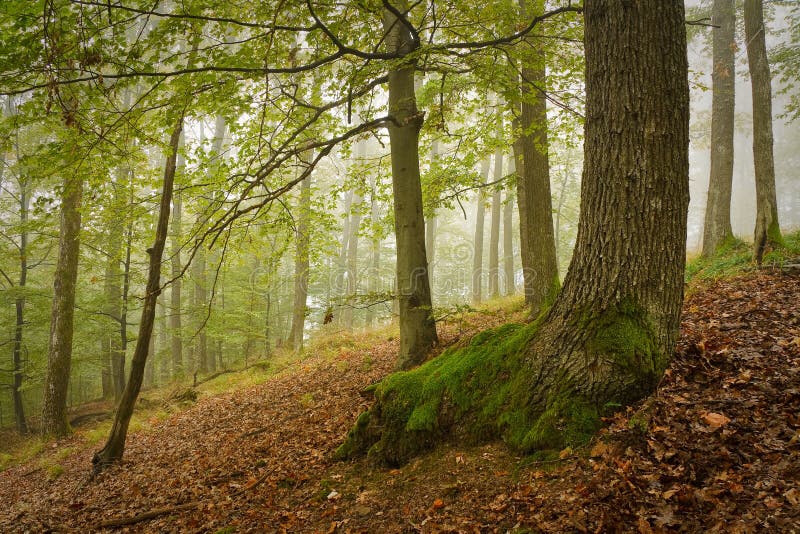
59 358
477 241
417 326
301 265
767 232
114 448
717 226
610 333
533 187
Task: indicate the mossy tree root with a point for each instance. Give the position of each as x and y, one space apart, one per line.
518 383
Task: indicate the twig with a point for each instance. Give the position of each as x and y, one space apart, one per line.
131 520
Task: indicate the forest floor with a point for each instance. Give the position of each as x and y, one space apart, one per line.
715 449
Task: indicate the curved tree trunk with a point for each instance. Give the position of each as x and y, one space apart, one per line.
59 360
115 446
767 232
417 326
717 227
610 333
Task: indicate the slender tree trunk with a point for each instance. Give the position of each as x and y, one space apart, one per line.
508 243
301 265
374 277
163 342
19 304
113 287
610 333
477 242
533 189
352 263
494 232
768 231
59 360
717 227
417 326
176 335
432 222
115 446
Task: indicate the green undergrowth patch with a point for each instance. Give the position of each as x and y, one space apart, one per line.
735 257
732 257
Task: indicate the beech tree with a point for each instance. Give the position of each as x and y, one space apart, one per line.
610 333
717 227
767 231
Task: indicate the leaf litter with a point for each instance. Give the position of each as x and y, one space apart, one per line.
715 449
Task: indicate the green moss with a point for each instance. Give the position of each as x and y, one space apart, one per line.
568 421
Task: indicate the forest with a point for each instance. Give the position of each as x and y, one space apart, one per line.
399 266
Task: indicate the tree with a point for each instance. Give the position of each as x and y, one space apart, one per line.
767 232
717 227
115 445
301 264
508 242
494 230
176 336
537 241
610 333
417 326
59 358
477 247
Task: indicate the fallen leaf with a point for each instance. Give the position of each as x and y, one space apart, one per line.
715 420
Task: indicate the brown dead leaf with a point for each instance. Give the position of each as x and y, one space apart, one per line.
715 420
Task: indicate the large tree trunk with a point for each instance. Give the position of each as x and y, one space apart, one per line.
115 446
417 326
477 239
717 227
19 305
301 265
533 187
767 232
610 333
59 360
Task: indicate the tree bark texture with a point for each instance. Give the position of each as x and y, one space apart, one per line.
767 232
717 227
417 326
115 446
59 359
611 331
477 241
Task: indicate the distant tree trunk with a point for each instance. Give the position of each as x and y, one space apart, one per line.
113 287
508 243
59 360
533 187
115 446
768 231
611 332
176 335
163 342
417 325
717 227
477 241
19 304
301 265
374 276
352 262
494 233
432 222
